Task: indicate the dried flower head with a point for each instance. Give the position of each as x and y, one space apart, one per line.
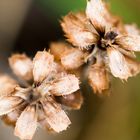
27 105
106 40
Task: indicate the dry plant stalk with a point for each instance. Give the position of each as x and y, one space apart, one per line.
101 39
41 101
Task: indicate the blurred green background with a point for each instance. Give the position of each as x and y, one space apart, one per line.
28 26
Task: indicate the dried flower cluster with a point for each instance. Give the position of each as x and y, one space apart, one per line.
40 101
98 39
102 40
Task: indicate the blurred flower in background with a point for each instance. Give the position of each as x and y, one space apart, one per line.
28 26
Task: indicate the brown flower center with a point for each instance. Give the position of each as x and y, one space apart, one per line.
34 94
108 39
110 35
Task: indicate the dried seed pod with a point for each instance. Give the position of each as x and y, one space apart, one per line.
21 66
26 106
111 39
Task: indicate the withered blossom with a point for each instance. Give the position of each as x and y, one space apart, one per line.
110 45
33 102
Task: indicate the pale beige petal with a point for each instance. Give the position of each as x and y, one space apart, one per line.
45 87
41 113
58 68
11 118
45 125
126 52
65 85
118 65
97 12
56 117
117 23
73 58
77 32
132 29
23 93
98 78
58 49
71 101
27 123
130 42
43 121
7 85
8 104
42 65
21 66
134 66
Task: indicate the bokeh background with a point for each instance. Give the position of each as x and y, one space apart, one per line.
30 25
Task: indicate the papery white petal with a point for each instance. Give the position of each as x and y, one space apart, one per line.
43 121
58 49
132 29
76 31
73 59
42 65
96 11
27 123
12 117
21 66
65 85
98 78
8 104
134 66
71 101
118 65
56 117
129 42
7 85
